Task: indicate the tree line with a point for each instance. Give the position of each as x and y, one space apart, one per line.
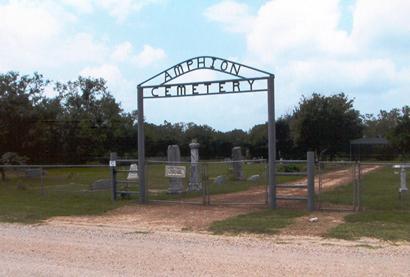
83 122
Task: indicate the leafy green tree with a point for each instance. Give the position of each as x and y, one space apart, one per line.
90 120
325 122
400 135
19 98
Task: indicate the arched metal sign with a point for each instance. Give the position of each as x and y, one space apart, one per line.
244 79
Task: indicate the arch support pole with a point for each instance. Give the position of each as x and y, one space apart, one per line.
141 146
271 144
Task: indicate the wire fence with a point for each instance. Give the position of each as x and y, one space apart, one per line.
342 186
356 186
52 179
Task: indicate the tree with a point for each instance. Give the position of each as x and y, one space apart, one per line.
325 122
400 135
90 120
19 99
382 124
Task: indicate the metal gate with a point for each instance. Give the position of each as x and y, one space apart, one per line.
339 185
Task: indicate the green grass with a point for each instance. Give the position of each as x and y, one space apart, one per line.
384 215
264 222
384 225
66 193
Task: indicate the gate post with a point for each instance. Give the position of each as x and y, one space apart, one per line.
113 164
271 143
141 145
311 180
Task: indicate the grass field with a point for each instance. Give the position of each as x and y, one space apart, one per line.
384 215
264 222
66 192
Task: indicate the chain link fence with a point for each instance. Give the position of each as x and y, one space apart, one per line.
356 186
212 182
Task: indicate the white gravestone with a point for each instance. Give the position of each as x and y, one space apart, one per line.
237 162
195 177
176 185
403 177
133 174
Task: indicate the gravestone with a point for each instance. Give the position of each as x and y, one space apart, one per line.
237 162
195 177
101 184
133 174
219 180
33 172
176 185
254 178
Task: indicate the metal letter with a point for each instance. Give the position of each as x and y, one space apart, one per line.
152 92
181 90
188 64
233 67
178 70
207 87
221 87
251 84
224 65
167 76
213 63
167 94
194 91
201 62
235 84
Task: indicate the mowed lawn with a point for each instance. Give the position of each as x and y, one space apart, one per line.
65 192
384 215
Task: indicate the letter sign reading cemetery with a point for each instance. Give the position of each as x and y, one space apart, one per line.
238 85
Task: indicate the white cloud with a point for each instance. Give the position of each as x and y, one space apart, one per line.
109 72
376 20
83 6
304 46
149 55
122 52
235 16
121 9
119 86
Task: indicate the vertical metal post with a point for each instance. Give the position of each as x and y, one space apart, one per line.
113 164
319 171
141 145
42 180
311 180
359 189
271 143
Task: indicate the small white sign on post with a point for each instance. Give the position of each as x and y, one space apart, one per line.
113 163
175 171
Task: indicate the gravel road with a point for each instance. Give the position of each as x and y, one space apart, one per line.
53 250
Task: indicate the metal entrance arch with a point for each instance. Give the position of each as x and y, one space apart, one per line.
163 87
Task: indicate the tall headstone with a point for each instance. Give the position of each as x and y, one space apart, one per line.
195 183
176 185
237 161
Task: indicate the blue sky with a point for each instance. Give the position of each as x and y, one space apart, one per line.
359 47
